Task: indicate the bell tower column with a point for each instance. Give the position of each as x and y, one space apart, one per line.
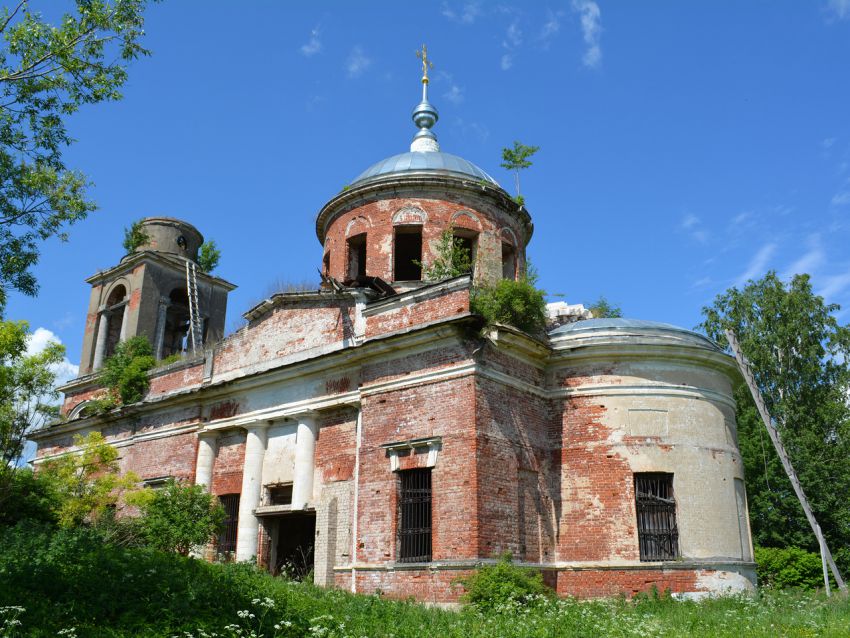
102 333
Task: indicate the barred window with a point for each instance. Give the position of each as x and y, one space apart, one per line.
658 533
227 537
414 513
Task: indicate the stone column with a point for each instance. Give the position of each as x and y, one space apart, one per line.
252 479
207 443
305 461
160 328
125 319
102 333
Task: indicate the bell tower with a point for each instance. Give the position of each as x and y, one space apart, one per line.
156 291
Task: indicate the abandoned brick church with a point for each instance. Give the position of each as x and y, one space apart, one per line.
368 430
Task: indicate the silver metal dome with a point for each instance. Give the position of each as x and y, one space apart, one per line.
627 327
429 162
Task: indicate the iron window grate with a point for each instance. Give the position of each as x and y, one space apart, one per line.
658 534
414 509
227 538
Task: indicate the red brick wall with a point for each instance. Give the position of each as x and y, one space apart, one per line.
229 459
443 409
590 583
398 317
297 326
168 456
335 445
375 218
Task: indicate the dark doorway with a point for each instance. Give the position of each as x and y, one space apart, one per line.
293 556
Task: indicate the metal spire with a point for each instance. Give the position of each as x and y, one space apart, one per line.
425 115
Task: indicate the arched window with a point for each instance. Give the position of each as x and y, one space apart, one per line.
176 335
116 307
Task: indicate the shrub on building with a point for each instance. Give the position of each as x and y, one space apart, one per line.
504 585
451 258
208 256
125 373
134 236
516 303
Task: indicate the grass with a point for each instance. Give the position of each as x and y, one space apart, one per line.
68 580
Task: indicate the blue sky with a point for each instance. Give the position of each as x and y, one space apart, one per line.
685 146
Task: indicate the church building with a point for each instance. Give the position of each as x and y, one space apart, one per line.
379 433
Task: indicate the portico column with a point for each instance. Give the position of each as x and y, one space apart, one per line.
124 321
160 328
207 443
252 479
102 333
305 453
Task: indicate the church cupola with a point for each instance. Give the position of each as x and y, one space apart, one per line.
157 291
388 222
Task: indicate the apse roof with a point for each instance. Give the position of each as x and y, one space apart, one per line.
626 326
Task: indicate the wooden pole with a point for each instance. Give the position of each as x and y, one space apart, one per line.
826 555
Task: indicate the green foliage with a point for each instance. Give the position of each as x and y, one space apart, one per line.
799 355
76 578
46 73
29 496
789 567
519 199
516 303
134 236
125 373
451 258
496 585
208 256
26 391
178 517
88 483
516 159
604 309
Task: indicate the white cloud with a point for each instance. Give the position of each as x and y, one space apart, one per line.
839 8
834 285
38 340
552 25
357 62
314 45
454 94
512 40
757 264
693 226
591 28
840 199
829 141
507 61
809 261
467 14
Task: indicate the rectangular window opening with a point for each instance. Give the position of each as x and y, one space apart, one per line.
468 242
408 250
508 261
280 494
357 256
226 543
658 534
414 514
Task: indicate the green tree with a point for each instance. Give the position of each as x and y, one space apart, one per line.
88 483
799 355
516 159
208 256
134 236
125 373
26 393
46 73
178 517
451 258
604 309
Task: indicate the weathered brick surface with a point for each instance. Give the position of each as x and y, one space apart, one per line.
438 211
335 445
168 456
588 583
395 318
429 585
227 469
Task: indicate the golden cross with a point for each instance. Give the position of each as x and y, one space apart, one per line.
426 63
